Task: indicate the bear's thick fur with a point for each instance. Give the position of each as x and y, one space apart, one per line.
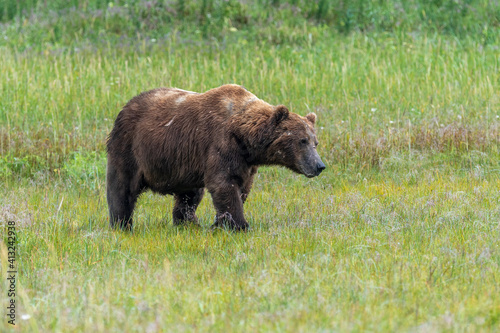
178 142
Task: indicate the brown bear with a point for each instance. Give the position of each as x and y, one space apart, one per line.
178 142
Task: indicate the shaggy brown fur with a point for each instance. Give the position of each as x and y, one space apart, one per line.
178 142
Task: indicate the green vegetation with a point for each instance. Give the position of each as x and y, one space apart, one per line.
62 22
400 233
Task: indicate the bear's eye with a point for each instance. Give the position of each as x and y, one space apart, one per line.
303 141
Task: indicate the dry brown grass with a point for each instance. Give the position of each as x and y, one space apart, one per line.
369 149
44 151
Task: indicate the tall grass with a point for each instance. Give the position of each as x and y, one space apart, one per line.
373 95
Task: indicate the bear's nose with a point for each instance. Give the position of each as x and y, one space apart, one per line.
320 167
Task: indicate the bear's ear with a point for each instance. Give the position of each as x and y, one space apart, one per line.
311 117
280 114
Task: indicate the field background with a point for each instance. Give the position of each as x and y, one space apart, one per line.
401 232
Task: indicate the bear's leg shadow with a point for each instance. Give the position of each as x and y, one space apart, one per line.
229 207
122 193
185 206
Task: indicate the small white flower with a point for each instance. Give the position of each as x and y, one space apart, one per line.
25 316
153 40
459 117
374 109
391 122
498 116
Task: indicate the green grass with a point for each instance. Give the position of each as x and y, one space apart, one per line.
373 95
33 23
374 255
400 233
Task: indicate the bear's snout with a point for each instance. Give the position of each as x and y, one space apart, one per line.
316 170
313 166
320 167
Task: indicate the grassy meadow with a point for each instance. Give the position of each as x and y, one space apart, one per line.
401 232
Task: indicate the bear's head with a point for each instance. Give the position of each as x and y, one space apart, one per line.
294 142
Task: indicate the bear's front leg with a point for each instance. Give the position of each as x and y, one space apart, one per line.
229 207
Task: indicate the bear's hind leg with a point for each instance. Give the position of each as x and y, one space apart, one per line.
185 206
122 194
